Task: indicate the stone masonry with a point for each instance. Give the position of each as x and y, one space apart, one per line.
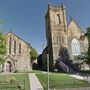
60 34
18 56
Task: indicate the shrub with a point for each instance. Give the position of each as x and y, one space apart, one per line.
13 79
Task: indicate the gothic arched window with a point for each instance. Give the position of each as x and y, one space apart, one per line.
59 39
14 46
58 20
75 44
19 51
9 45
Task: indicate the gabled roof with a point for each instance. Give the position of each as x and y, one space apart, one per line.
72 20
46 49
19 38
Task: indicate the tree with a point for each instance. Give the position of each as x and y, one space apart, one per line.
34 54
88 35
1 21
2 47
65 58
81 58
63 53
2 44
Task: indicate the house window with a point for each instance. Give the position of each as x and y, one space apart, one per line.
19 48
75 44
14 46
10 46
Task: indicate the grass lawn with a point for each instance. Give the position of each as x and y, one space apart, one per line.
19 79
58 81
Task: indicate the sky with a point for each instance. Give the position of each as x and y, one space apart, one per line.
26 18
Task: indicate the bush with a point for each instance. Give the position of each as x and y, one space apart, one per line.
16 71
13 79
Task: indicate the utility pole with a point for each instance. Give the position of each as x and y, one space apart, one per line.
47 56
48 71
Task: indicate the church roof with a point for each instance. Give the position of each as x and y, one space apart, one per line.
46 49
19 38
72 20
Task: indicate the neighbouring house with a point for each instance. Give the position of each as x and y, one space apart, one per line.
18 58
60 34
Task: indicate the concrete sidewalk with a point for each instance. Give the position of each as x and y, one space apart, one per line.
34 82
79 77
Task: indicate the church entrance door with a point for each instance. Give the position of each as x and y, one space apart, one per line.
8 66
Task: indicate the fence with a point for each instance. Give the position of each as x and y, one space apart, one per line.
15 85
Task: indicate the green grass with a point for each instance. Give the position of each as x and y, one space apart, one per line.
19 79
58 81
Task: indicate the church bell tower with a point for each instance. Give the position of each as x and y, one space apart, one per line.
56 31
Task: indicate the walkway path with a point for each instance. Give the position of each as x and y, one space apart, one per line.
34 82
85 77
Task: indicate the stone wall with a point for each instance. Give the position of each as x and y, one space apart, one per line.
74 31
22 60
58 33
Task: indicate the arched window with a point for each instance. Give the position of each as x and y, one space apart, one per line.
19 51
58 20
59 40
14 46
75 44
9 45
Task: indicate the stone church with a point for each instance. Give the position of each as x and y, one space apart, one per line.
60 34
18 54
